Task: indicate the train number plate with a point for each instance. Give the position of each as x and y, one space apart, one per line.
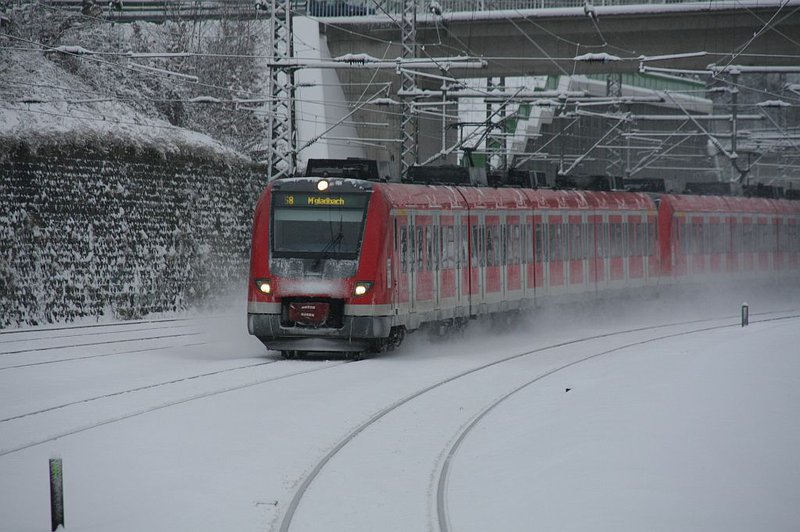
309 313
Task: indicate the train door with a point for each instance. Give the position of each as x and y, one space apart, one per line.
779 260
412 263
503 253
476 261
735 235
653 259
492 272
767 243
680 246
594 222
538 271
514 257
401 281
434 248
716 256
616 251
555 276
425 289
576 253
792 243
603 246
463 260
529 279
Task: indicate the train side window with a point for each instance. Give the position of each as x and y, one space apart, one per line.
429 249
411 248
653 231
517 243
464 245
577 242
474 246
511 259
497 245
640 243
450 247
538 242
503 244
527 244
554 248
489 246
684 238
403 250
420 247
612 239
601 248
700 238
437 248
585 240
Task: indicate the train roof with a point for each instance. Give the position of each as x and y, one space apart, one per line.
409 196
727 204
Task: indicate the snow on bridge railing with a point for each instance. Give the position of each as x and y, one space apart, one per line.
157 10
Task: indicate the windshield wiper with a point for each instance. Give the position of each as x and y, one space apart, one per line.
328 249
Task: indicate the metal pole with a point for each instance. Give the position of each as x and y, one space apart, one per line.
745 314
56 494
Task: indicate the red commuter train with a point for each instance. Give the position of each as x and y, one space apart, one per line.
351 264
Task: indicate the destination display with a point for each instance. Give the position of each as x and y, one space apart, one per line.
305 199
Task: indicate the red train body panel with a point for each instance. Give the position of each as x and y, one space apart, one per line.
355 266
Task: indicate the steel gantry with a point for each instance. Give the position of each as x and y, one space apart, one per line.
408 84
281 153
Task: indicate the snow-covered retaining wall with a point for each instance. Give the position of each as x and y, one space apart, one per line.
121 234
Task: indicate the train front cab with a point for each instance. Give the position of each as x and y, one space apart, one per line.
319 276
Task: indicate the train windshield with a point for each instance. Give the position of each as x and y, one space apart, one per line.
306 225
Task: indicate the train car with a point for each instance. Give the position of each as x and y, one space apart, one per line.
705 238
351 265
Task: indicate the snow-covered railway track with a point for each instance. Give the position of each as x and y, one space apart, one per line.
98 355
42 333
363 492
39 346
444 474
296 369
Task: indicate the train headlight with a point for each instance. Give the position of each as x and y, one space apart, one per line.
322 185
264 286
361 288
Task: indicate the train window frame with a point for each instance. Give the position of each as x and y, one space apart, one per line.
489 246
403 249
503 244
538 242
412 250
554 244
475 237
429 248
497 246
464 244
420 248
576 241
450 247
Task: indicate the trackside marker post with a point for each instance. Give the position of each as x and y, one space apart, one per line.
745 314
56 494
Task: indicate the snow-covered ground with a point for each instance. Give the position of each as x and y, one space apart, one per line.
190 425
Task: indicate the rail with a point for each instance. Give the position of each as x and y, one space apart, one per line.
160 10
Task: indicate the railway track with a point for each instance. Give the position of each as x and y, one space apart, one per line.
28 343
182 399
439 485
125 402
